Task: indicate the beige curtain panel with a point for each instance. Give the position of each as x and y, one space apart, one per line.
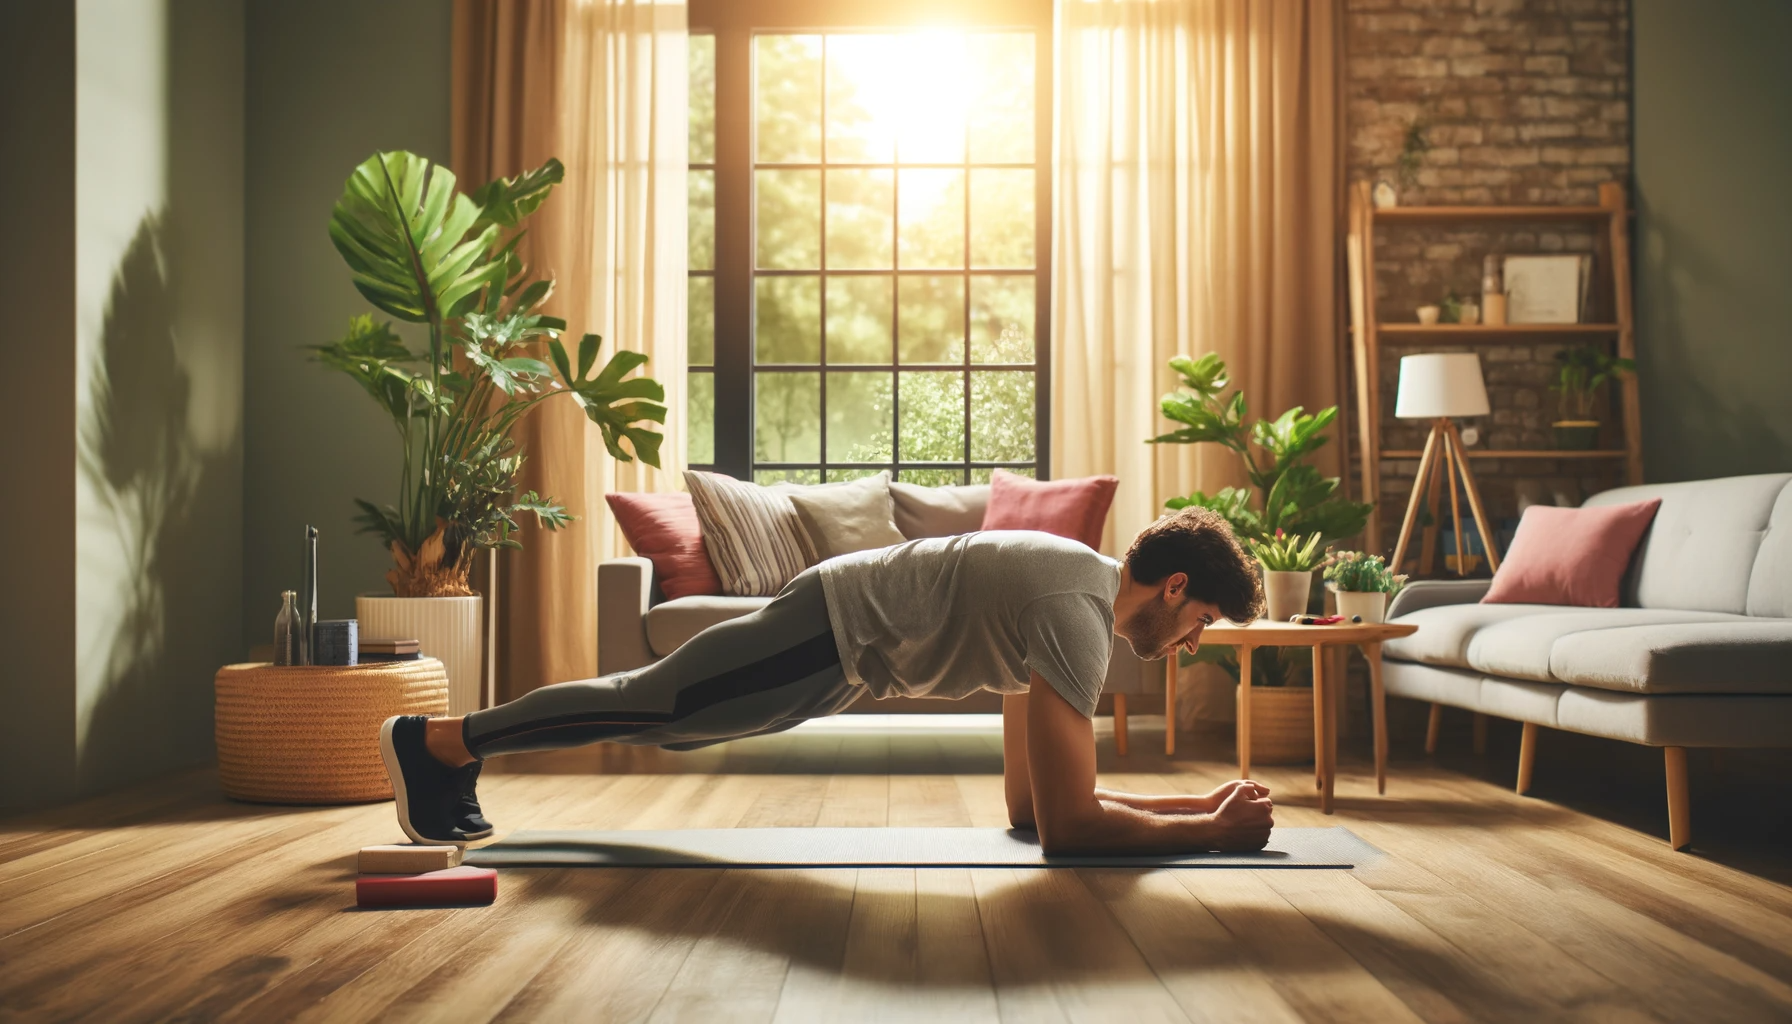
601 84
1196 204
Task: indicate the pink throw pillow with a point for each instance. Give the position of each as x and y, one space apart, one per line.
1076 509
663 528
1572 556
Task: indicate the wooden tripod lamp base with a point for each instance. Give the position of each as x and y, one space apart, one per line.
1437 387
1444 455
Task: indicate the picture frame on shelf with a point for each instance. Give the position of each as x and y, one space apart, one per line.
1546 289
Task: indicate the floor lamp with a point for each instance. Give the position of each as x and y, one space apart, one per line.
1436 387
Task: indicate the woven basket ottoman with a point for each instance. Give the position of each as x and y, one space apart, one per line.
311 734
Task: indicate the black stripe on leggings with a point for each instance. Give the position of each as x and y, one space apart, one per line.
768 673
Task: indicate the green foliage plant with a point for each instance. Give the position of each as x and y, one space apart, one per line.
1288 552
1580 372
1290 495
1359 573
1414 145
425 253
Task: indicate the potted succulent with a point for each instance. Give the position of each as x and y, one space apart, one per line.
425 253
1582 371
1363 585
1288 563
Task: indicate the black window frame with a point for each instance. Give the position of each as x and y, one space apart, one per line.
734 23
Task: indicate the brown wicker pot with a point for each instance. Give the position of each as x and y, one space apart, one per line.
1281 724
311 735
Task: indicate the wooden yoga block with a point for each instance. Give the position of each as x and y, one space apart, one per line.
461 885
406 859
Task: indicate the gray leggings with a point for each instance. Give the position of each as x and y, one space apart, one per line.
760 673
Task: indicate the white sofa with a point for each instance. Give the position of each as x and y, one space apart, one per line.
1700 654
636 626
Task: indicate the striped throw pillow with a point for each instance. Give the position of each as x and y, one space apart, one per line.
754 537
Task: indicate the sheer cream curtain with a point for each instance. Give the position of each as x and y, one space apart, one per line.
1196 206
601 84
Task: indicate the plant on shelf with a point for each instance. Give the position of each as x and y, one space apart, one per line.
424 253
1581 372
1413 147
1290 495
1449 311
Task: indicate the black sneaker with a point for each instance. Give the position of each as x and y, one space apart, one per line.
427 791
471 821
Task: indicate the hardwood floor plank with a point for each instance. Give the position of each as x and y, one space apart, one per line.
1313 973
855 801
927 801
1200 963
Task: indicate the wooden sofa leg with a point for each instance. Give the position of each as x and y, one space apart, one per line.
1480 734
1432 727
1679 802
1527 756
1120 724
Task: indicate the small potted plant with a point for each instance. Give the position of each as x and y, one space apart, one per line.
1363 584
1582 371
1288 564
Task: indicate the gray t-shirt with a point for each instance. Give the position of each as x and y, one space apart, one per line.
948 616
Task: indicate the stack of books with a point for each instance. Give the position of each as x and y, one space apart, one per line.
390 650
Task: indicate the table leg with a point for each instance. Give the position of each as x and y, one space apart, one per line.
1321 729
1120 724
1334 694
1244 712
1170 704
1379 712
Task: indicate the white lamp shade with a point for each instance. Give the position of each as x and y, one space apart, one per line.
1441 384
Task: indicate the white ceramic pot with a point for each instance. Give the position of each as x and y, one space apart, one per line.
450 629
1372 605
1286 593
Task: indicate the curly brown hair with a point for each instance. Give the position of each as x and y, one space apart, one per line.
1198 543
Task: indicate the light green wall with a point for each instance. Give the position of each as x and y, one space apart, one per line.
329 83
1713 101
37 406
124 388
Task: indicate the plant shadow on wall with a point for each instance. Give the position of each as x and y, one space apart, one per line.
151 482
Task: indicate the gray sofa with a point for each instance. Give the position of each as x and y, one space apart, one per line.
1700 655
636 627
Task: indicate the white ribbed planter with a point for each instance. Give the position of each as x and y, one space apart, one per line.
449 629
1286 594
1372 605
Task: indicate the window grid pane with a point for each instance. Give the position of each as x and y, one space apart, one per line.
904 217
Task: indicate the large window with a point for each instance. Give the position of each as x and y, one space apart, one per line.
881 305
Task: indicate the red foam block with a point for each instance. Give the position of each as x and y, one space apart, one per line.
462 885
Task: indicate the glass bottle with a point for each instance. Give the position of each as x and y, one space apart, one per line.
287 630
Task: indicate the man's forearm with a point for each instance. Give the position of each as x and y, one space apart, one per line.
1174 803
1114 827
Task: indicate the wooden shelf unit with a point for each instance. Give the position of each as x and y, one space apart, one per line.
1519 453
1368 335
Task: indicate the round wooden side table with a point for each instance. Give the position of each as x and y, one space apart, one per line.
1365 636
311 734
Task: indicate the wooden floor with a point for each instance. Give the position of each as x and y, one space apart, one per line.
172 903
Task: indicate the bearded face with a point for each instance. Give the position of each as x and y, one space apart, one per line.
1154 630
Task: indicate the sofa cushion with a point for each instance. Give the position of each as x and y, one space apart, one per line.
1445 631
671 623
1075 509
842 518
1571 556
664 529
1643 650
1523 648
938 511
1742 655
1770 584
752 533
1700 552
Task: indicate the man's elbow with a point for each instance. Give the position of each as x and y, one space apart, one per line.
1061 834
1020 816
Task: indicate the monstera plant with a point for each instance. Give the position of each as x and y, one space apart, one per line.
1289 495
425 253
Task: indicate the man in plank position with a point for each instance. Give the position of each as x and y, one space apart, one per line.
1027 615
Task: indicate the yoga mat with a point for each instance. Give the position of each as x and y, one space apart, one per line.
883 847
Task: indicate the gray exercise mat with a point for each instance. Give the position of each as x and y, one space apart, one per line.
883 847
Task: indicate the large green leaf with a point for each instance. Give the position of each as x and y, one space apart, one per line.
402 229
614 401
506 201
367 354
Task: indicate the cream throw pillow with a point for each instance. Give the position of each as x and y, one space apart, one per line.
754 538
846 517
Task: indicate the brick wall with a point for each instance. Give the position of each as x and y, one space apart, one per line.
1527 101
